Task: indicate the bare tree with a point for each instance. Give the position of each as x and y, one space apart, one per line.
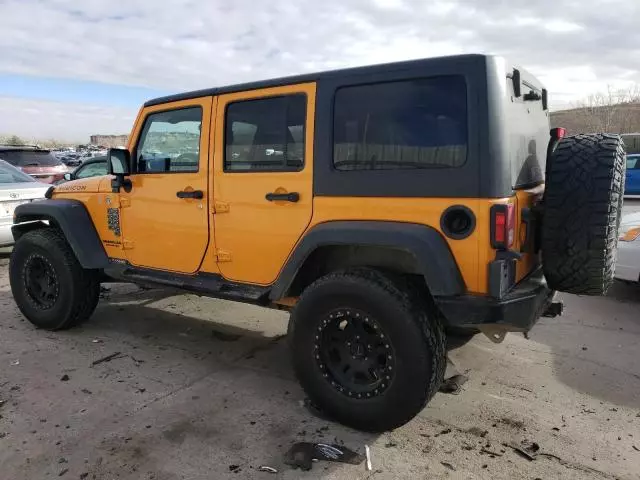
614 111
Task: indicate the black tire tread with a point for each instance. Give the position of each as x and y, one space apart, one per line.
85 282
430 324
582 209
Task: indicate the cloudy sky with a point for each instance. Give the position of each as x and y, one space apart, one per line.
69 68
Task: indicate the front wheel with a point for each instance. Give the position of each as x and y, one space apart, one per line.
366 352
50 287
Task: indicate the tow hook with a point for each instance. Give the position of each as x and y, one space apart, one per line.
554 309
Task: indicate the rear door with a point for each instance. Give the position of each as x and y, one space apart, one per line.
263 170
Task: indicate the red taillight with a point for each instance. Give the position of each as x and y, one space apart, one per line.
558 133
503 226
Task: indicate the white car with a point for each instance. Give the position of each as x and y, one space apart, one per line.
15 188
628 265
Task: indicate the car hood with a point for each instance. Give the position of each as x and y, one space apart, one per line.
22 191
630 219
83 185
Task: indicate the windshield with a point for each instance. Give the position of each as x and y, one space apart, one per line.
633 162
9 174
30 158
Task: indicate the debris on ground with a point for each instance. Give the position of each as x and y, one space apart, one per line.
96 340
15 362
454 384
302 454
510 422
234 468
367 452
490 452
108 358
86 391
64 378
449 466
266 468
62 472
314 409
636 448
526 449
478 432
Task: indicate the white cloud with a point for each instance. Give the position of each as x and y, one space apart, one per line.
40 120
187 44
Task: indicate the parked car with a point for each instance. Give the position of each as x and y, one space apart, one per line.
93 167
632 182
41 164
70 160
628 265
16 188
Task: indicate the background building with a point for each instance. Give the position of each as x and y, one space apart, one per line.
109 140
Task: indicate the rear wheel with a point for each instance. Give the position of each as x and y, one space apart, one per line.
582 209
48 284
364 351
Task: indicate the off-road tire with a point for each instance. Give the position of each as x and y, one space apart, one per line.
78 289
582 209
416 338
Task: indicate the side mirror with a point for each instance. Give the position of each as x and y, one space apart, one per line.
119 164
68 176
118 161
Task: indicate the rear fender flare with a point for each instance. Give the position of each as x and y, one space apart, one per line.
434 259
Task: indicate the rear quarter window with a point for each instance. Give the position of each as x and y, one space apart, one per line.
411 124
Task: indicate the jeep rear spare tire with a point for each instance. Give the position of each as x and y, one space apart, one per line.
582 209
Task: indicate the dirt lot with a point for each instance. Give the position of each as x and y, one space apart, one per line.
202 389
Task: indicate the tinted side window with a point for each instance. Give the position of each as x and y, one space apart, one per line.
633 163
265 134
401 125
170 142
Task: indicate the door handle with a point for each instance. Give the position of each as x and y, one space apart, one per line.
283 197
197 194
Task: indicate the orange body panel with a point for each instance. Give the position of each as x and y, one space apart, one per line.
255 235
160 230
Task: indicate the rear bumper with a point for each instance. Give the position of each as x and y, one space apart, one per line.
517 311
628 263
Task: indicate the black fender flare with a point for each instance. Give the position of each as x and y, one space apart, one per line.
73 219
427 245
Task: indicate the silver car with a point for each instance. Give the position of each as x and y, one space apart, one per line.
628 264
15 188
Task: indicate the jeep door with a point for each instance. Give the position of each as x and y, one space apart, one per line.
164 216
263 171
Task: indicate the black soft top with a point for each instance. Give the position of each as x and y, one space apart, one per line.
313 77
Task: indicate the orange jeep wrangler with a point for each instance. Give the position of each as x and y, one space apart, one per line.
386 207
